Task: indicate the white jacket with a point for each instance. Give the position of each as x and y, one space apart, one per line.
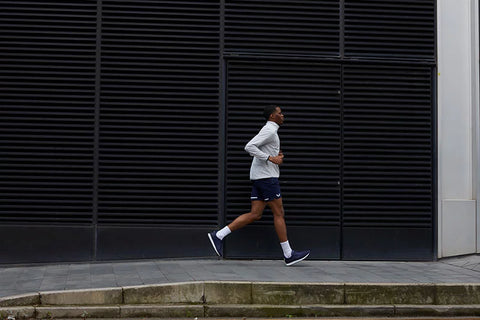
266 143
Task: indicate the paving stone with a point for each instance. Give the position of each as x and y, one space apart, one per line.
128 281
52 286
29 285
33 273
154 281
101 269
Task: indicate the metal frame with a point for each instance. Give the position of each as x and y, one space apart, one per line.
97 127
476 113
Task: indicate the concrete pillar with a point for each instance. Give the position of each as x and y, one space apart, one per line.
457 34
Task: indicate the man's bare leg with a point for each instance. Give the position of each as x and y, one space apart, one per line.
279 219
247 218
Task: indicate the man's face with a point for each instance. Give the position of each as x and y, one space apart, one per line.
277 116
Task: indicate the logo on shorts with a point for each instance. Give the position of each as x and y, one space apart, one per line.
278 195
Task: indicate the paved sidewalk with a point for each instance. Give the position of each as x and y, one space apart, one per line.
26 279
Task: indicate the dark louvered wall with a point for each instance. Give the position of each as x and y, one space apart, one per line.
47 117
282 27
402 29
388 159
158 163
47 95
112 119
159 112
388 146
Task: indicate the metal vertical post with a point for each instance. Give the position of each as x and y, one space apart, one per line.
222 123
342 54
434 164
342 29
476 113
97 126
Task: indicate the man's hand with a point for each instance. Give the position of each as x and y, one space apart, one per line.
278 159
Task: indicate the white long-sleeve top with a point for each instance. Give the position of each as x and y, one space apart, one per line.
266 143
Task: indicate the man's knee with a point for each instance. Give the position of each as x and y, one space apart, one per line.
256 215
278 211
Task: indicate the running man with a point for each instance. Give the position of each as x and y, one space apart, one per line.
264 173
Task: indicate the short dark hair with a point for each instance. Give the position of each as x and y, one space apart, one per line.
269 110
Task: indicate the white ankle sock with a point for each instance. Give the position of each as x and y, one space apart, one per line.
222 233
287 251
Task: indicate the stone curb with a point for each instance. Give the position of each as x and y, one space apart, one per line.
82 297
297 294
458 294
247 310
437 311
341 311
387 293
77 312
227 292
20 300
17 312
263 299
183 292
156 311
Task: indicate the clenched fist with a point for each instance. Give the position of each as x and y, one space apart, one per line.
278 159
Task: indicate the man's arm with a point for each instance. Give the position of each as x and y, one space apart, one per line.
260 139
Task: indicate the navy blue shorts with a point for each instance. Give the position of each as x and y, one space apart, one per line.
266 189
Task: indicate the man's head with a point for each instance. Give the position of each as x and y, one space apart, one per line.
273 113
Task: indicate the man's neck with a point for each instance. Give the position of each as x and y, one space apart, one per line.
274 123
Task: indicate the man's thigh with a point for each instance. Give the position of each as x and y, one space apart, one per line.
276 206
258 206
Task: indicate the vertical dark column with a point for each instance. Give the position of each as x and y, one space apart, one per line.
435 162
222 123
342 28
340 180
98 63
